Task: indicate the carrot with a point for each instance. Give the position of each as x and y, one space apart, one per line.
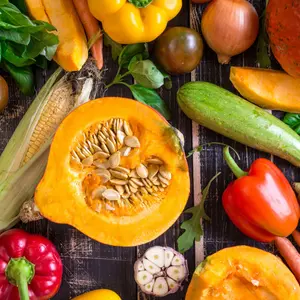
290 254
296 236
91 26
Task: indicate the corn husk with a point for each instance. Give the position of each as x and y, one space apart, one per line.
24 159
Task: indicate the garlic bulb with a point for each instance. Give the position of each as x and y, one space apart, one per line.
160 271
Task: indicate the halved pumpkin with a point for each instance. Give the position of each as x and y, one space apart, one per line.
243 272
116 172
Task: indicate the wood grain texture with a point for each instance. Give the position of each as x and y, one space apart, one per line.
90 265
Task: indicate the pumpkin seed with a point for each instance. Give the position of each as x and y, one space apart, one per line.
98 191
152 171
127 189
127 129
155 161
139 196
96 148
88 161
145 182
104 148
100 154
132 141
137 181
109 207
102 172
115 160
118 181
110 145
80 154
149 189
85 152
121 136
75 155
98 207
165 173
111 133
120 189
142 171
133 189
163 179
155 181
101 164
105 132
122 170
118 175
155 188
133 184
133 174
163 185
125 196
161 189
111 195
143 190
125 151
90 147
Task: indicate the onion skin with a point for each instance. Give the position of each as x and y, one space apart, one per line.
229 27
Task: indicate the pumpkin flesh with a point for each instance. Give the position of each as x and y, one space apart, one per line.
243 272
65 193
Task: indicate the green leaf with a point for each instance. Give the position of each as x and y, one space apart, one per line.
22 38
293 120
116 48
146 74
23 76
21 5
42 62
151 98
192 227
12 15
3 2
12 55
43 43
129 52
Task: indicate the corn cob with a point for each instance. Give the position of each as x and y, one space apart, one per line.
60 103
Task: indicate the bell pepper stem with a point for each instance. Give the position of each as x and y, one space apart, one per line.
19 272
237 171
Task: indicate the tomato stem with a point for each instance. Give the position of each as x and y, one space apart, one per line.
237 171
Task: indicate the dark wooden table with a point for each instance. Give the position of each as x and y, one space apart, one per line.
90 265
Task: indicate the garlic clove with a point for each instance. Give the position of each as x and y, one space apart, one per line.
172 283
156 255
177 272
140 266
160 287
177 261
168 258
149 286
143 277
150 266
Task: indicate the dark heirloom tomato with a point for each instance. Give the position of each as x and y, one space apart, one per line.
179 50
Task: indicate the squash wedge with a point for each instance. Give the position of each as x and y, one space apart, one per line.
116 171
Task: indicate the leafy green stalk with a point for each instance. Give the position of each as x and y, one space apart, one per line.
148 77
13 154
192 228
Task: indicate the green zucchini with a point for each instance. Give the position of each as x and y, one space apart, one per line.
230 115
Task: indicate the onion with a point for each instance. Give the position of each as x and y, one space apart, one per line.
229 27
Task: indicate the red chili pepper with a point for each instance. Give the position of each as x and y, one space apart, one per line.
30 267
261 202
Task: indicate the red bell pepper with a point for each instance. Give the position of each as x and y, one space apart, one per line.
30 267
261 202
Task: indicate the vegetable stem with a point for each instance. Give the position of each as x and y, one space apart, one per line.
237 171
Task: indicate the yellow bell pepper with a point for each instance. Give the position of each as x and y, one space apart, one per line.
134 21
98 295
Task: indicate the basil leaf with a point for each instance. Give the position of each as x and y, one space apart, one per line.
146 74
10 14
293 120
151 98
135 59
3 2
129 52
116 48
23 76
